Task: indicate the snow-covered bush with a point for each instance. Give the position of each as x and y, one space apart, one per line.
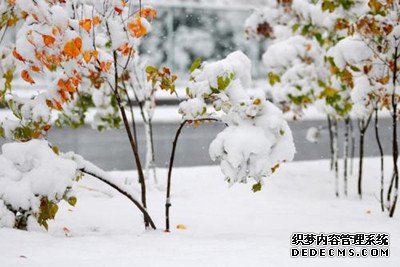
33 180
257 138
85 50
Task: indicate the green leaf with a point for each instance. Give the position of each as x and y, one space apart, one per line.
328 6
196 64
273 78
151 69
256 187
47 211
204 111
354 68
305 30
214 90
295 27
223 83
72 201
56 150
319 38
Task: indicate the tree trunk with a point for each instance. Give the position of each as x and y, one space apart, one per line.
378 141
395 146
346 155
335 146
353 147
130 135
330 140
171 165
150 165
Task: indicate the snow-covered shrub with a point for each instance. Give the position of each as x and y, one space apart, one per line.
33 180
85 50
257 138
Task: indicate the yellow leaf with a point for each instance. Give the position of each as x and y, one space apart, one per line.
275 168
181 227
87 56
257 102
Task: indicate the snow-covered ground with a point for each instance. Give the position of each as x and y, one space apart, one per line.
225 226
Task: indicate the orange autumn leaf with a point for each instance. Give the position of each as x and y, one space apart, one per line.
137 28
105 66
18 56
73 47
87 56
86 24
96 20
36 69
125 49
35 17
63 95
56 30
78 43
66 86
54 104
57 105
27 77
36 135
47 127
48 39
11 22
148 12
95 54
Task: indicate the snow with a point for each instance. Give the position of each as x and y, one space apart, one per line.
31 171
225 226
350 50
313 135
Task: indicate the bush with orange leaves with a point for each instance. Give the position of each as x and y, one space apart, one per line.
85 51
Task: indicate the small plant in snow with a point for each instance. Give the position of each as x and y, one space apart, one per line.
33 180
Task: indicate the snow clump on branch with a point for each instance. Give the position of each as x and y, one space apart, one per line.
257 138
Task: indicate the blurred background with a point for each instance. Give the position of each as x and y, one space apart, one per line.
207 29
